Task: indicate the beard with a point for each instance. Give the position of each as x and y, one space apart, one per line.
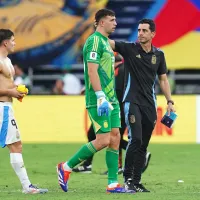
110 32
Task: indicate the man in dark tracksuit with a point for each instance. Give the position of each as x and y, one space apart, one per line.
86 166
143 62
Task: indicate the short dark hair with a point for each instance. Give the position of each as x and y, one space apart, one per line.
151 23
103 13
5 34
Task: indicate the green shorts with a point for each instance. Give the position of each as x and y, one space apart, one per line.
104 124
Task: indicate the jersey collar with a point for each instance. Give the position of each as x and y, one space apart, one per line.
99 34
153 49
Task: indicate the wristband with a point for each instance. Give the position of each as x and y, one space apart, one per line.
170 101
100 94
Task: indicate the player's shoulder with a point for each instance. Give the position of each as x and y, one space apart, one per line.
3 61
135 45
158 50
7 60
94 43
93 37
93 40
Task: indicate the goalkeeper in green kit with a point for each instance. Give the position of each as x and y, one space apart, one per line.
101 103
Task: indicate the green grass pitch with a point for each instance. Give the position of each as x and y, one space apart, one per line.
169 164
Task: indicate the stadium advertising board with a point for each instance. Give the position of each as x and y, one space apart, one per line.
64 119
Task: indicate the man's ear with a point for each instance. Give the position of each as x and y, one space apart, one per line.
5 43
153 34
101 22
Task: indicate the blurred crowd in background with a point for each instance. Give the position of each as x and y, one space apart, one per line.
51 61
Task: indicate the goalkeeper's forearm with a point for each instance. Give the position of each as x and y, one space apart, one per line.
94 77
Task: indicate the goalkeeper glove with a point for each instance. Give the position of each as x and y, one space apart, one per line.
103 105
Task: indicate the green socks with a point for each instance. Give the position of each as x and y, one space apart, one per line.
88 150
112 165
84 152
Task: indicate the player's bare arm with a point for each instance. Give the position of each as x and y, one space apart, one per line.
165 87
94 77
9 93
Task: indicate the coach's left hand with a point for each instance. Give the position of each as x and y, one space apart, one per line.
170 108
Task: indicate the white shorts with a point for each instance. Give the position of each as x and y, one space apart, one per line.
9 132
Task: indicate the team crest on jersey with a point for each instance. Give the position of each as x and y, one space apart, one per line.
93 55
153 60
138 56
132 119
105 124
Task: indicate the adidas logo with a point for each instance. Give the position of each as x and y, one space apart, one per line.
138 56
139 190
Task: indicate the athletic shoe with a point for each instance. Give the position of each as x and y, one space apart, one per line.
140 188
128 185
34 190
63 177
118 189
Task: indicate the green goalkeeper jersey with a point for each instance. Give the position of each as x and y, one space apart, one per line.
98 50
